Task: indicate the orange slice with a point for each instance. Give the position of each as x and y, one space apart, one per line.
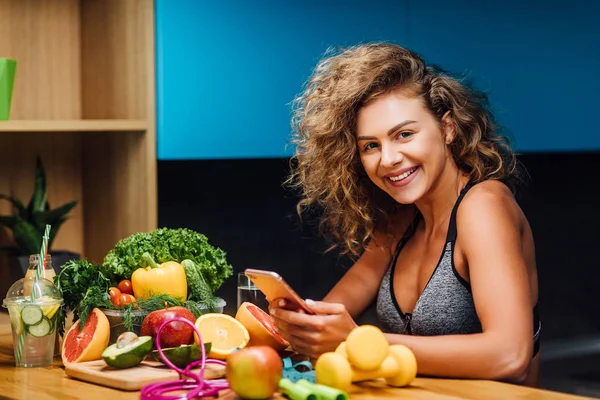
225 333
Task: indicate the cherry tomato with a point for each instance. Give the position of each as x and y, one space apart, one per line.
123 299
125 286
116 300
114 292
132 300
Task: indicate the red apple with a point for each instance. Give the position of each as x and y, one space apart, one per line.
174 334
254 372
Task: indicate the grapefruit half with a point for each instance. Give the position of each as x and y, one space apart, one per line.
260 327
88 343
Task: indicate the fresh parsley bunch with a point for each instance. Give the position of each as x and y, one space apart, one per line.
84 285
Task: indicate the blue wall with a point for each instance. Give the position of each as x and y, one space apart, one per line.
228 69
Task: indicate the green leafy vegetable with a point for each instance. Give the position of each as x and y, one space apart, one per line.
164 245
84 285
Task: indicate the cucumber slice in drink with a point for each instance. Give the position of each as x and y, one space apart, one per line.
32 315
41 329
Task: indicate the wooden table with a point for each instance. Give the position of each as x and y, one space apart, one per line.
52 383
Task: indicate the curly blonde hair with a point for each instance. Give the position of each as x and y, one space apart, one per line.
326 167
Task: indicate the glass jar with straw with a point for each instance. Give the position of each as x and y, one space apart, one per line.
33 304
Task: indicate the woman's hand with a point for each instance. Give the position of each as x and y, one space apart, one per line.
313 335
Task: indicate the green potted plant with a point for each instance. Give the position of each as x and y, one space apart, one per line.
27 224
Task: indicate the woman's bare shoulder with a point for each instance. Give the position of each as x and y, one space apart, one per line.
491 187
492 198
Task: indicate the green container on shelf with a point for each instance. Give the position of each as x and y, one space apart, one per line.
8 67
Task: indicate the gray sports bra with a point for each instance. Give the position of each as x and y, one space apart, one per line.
445 306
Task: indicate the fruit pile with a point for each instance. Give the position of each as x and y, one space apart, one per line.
221 333
248 342
247 345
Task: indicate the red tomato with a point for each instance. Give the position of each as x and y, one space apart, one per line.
123 299
117 300
132 300
114 292
125 286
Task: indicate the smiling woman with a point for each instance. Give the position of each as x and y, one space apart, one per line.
390 147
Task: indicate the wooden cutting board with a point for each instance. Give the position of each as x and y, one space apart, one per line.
132 378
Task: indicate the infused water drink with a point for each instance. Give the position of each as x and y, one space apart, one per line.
33 321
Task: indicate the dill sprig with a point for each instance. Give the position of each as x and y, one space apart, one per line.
132 316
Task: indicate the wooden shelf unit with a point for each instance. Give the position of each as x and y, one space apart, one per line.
74 125
84 100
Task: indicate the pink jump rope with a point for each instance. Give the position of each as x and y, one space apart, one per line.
193 384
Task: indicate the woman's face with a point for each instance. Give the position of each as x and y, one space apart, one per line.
402 147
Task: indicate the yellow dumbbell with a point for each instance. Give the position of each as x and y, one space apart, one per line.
366 347
399 368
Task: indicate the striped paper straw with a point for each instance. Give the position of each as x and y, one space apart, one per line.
41 259
19 349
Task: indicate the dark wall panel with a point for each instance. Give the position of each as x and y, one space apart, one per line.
242 207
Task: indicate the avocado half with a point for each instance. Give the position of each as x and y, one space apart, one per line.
183 355
128 356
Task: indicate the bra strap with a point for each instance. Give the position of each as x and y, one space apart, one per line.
451 237
407 235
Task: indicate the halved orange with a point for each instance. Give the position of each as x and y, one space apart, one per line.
225 333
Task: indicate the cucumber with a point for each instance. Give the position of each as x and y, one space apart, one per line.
32 315
40 329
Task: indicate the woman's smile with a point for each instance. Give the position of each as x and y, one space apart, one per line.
402 177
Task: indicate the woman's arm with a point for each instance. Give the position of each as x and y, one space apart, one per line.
359 286
316 334
489 238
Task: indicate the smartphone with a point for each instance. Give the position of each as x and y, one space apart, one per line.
274 287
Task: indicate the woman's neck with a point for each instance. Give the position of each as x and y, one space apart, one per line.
436 206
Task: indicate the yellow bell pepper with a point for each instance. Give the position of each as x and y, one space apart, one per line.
168 278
